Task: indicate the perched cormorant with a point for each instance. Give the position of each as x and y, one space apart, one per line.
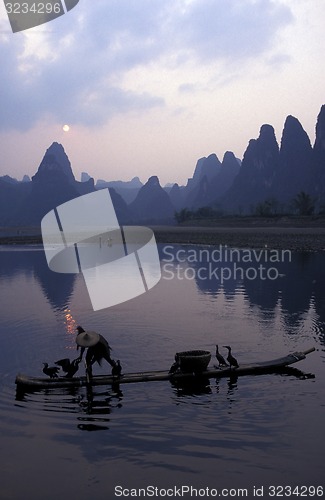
231 360
69 367
64 363
51 371
117 369
221 360
175 366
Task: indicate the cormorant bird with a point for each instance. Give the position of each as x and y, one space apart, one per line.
64 363
117 369
69 367
231 360
221 360
175 366
51 371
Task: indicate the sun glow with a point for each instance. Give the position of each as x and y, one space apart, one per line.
69 321
66 128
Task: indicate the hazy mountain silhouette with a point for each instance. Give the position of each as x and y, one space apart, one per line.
176 196
54 165
211 180
127 189
319 156
319 146
197 190
295 161
12 194
259 166
267 172
152 203
26 203
85 177
52 185
279 174
8 179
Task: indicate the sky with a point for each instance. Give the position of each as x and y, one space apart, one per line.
148 87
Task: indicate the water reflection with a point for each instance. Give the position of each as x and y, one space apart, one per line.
293 282
57 287
69 322
169 434
199 386
193 387
98 409
93 407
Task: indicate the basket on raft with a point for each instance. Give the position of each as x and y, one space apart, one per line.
194 361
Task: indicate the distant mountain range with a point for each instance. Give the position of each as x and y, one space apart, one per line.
268 176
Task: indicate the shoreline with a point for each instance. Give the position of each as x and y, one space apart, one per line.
295 238
303 239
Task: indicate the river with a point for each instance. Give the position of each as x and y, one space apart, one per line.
221 437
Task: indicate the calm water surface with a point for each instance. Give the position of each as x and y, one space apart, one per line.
253 431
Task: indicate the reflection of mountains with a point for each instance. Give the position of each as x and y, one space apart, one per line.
57 288
299 286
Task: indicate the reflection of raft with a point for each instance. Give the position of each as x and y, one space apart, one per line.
26 382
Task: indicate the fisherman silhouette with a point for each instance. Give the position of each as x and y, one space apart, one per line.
98 348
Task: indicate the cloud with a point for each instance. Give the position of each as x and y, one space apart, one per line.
73 68
187 88
279 60
236 29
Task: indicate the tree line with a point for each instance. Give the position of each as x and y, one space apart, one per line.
303 204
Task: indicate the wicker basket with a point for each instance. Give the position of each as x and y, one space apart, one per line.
194 361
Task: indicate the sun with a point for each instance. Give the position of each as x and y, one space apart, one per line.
66 128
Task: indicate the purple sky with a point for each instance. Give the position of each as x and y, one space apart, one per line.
149 86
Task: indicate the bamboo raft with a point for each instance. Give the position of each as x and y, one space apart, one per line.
26 382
